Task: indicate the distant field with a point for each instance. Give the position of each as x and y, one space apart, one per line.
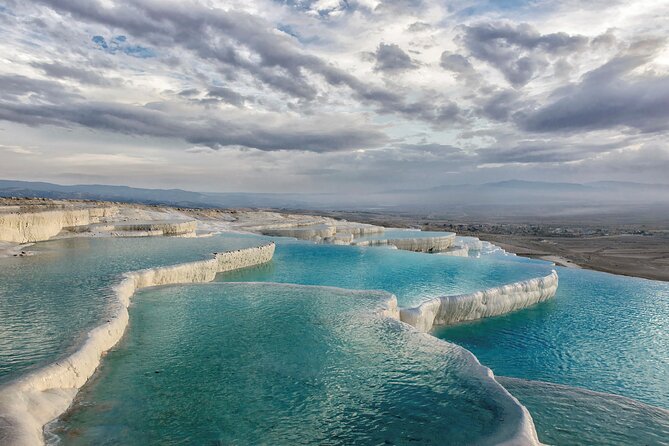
611 243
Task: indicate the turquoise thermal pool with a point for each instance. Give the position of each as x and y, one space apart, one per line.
601 332
282 364
50 300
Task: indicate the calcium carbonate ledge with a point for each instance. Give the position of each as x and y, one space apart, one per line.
448 310
25 227
419 244
30 402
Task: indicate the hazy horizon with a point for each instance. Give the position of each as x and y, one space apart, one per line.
617 203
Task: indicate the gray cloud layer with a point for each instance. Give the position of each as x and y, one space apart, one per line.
439 87
47 104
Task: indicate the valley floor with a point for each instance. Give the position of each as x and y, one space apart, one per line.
638 250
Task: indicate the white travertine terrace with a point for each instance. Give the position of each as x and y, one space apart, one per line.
303 227
471 243
329 232
419 244
26 227
303 233
152 228
456 251
448 310
33 400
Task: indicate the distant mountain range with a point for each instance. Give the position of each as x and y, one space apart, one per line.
172 197
514 197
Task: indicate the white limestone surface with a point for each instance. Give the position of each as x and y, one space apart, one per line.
448 310
146 229
25 227
317 232
30 402
456 251
419 244
472 243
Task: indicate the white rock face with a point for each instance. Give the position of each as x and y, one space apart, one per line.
492 302
154 228
456 251
30 402
25 227
472 243
330 231
420 244
303 233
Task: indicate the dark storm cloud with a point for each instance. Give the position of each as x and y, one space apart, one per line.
607 97
390 58
517 51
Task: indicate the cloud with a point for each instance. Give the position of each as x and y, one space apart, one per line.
227 95
61 71
543 151
417 27
391 59
460 66
501 104
315 134
19 150
518 51
17 87
449 89
607 97
214 96
106 159
223 36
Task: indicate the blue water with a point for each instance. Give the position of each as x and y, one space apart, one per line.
412 277
50 300
574 416
250 364
601 331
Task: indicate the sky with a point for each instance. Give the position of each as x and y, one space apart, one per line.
333 95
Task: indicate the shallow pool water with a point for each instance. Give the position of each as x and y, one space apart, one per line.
274 364
601 331
570 416
413 277
50 300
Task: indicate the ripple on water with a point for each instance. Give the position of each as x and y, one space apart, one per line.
602 332
277 364
49 301
571 416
